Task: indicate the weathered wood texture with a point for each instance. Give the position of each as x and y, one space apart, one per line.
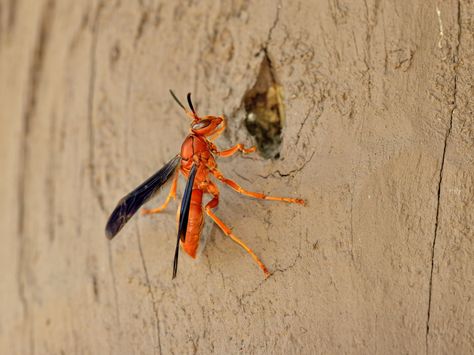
378 136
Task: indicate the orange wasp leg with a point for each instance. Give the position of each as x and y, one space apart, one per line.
172 194
227 231
238 147
258 195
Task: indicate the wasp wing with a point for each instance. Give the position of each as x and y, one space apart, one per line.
184 216
130 204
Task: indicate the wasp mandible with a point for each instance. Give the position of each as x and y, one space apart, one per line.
197 163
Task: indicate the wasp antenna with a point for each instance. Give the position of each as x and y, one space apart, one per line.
190 103
176 99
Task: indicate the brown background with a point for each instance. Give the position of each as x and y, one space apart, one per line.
378 137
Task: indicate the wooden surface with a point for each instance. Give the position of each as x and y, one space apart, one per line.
378 137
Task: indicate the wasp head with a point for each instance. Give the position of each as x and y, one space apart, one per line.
207 125
204 126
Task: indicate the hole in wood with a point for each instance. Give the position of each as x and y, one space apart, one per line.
265 112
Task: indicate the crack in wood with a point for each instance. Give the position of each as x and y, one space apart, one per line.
150 291
114 282
291 172
441 173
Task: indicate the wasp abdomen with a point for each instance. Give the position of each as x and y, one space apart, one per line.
195 223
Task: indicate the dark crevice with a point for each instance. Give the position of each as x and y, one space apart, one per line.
441 173
265 113
272 28
291 172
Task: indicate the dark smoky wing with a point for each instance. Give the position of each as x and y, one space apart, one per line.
185 204
130 204
184 216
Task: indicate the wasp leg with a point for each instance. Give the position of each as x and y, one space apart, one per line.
258 195
217 133
172 194
238 147
227 231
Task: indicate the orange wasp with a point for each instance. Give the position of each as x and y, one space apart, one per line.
196 162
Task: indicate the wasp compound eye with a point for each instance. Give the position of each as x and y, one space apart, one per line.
201 124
